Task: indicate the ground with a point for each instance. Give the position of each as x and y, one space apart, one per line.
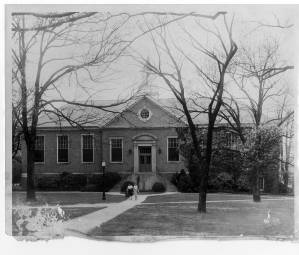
176 215
228 215
67 198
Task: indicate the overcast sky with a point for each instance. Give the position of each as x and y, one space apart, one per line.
127 73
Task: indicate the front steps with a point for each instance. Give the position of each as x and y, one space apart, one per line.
146 182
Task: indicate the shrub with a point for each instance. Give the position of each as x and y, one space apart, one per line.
78 182
283 189
185 184
48 183
243 184
174 179
125 185
158 187
69 181
111 179
90 188
222 182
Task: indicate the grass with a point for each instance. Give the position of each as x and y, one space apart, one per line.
65 198
226 218
70 213
187 197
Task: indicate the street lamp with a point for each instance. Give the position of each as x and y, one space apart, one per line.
103 166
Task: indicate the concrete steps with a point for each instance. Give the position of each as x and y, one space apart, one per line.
146 181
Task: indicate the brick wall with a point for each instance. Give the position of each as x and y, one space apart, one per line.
128 150
50 166
74 165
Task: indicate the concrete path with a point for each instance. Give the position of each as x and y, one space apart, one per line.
82 225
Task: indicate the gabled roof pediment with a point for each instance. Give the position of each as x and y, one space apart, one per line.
144 113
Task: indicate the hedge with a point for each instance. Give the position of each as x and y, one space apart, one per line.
158 187
77 182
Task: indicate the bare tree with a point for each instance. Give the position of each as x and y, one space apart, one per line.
175 81
51 50
258 76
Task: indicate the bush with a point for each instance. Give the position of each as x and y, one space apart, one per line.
174 179
16 171
125 185
158 187
48 183
90 188
243 184
111 179
283 189
222 182
73 182
183 182
78 182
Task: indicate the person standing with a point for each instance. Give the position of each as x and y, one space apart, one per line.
135 189
130 191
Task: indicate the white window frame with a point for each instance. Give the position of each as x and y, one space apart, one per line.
68 148
89 162
168 161
42 163
149 116
122 150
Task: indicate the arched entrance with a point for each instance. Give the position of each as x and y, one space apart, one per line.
145 153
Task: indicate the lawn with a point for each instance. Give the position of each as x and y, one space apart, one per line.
66 198
224 218
187 197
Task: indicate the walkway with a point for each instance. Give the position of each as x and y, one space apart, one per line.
83 225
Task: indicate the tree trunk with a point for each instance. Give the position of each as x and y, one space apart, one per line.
202 199
256 189
30 173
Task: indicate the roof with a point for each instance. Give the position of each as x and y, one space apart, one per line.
94 117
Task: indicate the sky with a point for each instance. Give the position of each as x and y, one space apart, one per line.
126 74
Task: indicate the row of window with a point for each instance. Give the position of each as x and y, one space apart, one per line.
87 149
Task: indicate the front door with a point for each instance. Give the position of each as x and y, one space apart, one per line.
145 158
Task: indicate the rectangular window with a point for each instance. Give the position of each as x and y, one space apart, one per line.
39 151
173 149
62 147
87 148
116 149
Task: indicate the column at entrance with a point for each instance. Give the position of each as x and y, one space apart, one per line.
135 158
143 155
154 158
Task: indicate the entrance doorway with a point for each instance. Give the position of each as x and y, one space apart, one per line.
145 158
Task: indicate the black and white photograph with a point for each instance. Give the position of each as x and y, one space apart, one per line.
146 123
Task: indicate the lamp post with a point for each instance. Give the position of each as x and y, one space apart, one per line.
103 167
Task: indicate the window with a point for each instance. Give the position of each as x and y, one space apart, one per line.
144 114
116 149
173 152
87 148
62 149
39 152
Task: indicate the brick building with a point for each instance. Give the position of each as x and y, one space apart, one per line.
139 141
